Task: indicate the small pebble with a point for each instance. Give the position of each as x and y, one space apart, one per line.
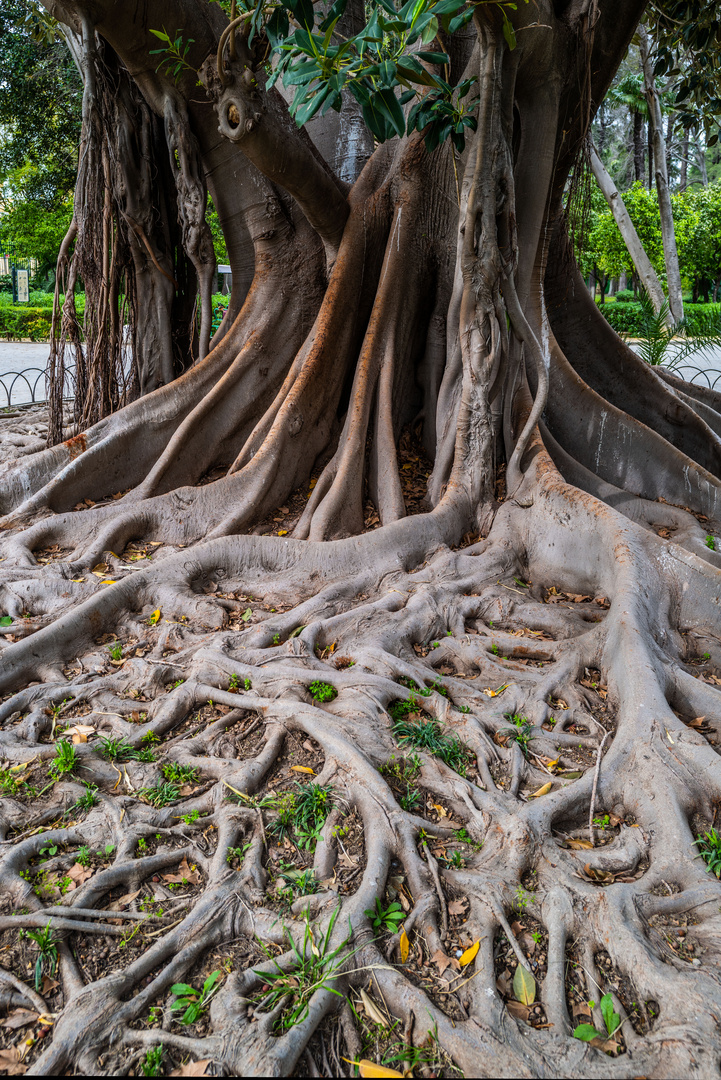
459 953
696 962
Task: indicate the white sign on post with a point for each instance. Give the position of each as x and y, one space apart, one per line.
23 286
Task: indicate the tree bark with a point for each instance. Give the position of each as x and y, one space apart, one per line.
317 679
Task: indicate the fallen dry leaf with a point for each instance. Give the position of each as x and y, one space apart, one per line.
19 1018
541 791
579 845
518 1011
404 946
372 1010
10 1062
123 901
302 768
603 877
457 907
192 1068
79 874
184 875
441 961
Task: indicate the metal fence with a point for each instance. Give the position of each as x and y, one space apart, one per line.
29 387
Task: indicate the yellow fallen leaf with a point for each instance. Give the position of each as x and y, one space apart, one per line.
282 532
579 845
494 693
541 791
470 953
552 764
154 617
109 581
302 768
405 946
369 1068
77 580
441 809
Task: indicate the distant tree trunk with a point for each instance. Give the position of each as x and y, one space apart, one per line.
623 281
701 164
641 261
682 182
669 139
649 147
638 146
655 127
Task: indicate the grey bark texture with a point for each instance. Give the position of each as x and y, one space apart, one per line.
232 581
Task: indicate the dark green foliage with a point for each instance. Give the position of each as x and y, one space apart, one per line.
194 1002
40 100
627 318
386 918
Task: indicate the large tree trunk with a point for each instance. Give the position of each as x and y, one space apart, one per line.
668 232
641 261
508 696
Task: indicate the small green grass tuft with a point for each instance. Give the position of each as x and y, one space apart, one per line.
322 691
709 848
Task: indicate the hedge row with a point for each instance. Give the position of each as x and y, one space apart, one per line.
625 318
34 321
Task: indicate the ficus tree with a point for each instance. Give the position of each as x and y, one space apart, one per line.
476 681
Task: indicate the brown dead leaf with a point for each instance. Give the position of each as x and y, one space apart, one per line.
184 875
527 943
609 1046
48 985
503 983
308 745
192 1068
79 874
373 1010
581 1009
441 961
457 907
19 1018
518 1011
123 901
697 722
579 845
602 877
10 1062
